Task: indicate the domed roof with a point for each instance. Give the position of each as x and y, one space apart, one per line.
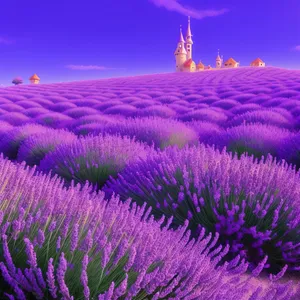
34 77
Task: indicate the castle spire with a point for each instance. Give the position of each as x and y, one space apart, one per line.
188 32
189 41
181 39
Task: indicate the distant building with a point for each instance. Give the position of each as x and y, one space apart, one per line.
183 54
200 66
189 66
34 79
219 61
185 62
231 63
257 63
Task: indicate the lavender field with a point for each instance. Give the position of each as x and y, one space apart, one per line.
167 186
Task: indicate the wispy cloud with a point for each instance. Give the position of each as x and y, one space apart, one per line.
6 41
89 67
297 48
174 5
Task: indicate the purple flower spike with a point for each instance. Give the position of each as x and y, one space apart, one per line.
51 279
60 275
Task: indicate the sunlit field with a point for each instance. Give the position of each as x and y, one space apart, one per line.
167 186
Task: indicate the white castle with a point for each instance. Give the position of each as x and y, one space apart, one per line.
183 55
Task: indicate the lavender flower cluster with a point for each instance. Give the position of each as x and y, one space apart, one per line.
93 158
253 205
152 130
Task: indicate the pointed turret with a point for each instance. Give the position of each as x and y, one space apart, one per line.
189 41
180 46
189 32
219 61
181 39
180 52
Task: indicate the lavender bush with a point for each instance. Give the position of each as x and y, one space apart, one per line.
122 109
274 101
254 206
28 104
156 111
269 117
14 97
35 111
205 130
167 99
144 103
79 112
62 106
93 158
259 99
254 139
241 109
99 118
107 104
86 102
152 130
54 120
226 103
35 147
42 101
179 109
4 101
11 140
15 118
243 98
290 150
204 114
11 107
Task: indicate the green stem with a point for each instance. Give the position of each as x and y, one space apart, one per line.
48 245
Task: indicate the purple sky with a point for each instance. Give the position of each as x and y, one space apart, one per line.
64 40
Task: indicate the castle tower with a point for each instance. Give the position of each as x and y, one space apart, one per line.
189 41
219 61
180 52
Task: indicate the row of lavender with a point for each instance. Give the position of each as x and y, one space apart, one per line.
77 244
284 113
239 97
254 138
96 158
183 96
